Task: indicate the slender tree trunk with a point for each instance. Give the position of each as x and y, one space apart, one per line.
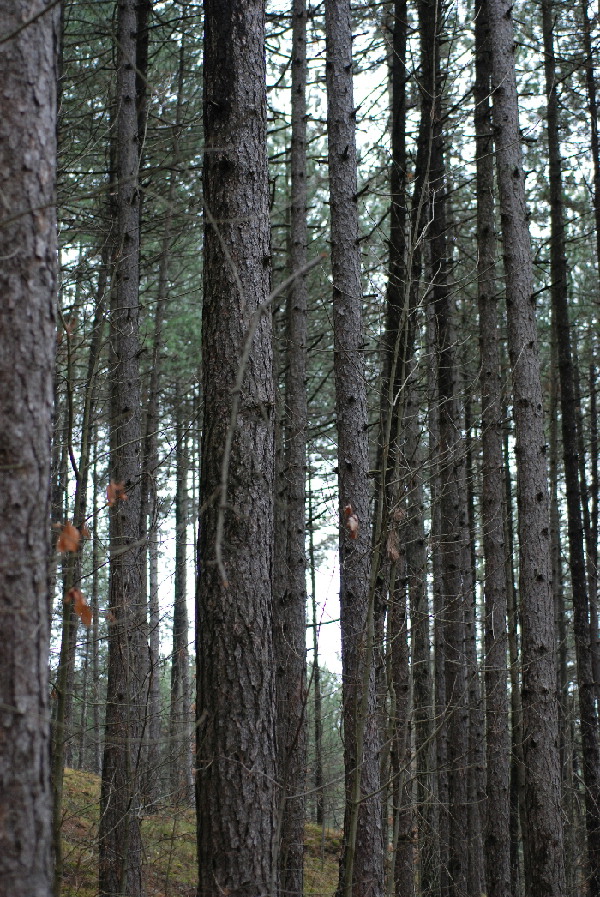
540 710
439 668
594 492
150 461
590 80
518 821
316 673
362 862
560 313
28 279
236 747
180 759
119 835
290 606
451 469
94 603
591 546
498 747
65 675
416 574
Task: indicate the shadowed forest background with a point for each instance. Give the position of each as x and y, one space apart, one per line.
320 305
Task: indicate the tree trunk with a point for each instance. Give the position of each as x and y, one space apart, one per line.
316 674
290 606
540 710
498 747
362 862
180 758
236 748
119 834
28 278
65 674
451 468
150 460
560 314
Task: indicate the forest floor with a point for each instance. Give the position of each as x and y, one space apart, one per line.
170 844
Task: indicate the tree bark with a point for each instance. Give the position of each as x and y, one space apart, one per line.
361 865
498 747
290 606
540 710
28 279
560 314
120 859
180 759
236 747
454 522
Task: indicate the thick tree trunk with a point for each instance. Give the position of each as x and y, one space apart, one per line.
498 747
236 749
540 710
28 278
361 866
119 835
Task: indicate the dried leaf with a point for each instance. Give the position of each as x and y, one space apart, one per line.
69 538
351 521
85 614
80 605
85 531
115 492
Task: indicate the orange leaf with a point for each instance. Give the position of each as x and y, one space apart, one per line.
351 521
68 539
80 605
115 492
85 531
86 614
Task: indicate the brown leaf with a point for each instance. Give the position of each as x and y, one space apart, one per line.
351 521
85 614
80 605
69 538
85 531
115 492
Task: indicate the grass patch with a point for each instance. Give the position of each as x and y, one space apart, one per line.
169 839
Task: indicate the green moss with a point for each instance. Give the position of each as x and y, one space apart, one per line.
170 847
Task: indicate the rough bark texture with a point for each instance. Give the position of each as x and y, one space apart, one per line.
568 404
27 343
120 861
361 866
236 755
497 832
290 606
540 711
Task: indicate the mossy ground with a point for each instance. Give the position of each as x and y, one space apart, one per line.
170 844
